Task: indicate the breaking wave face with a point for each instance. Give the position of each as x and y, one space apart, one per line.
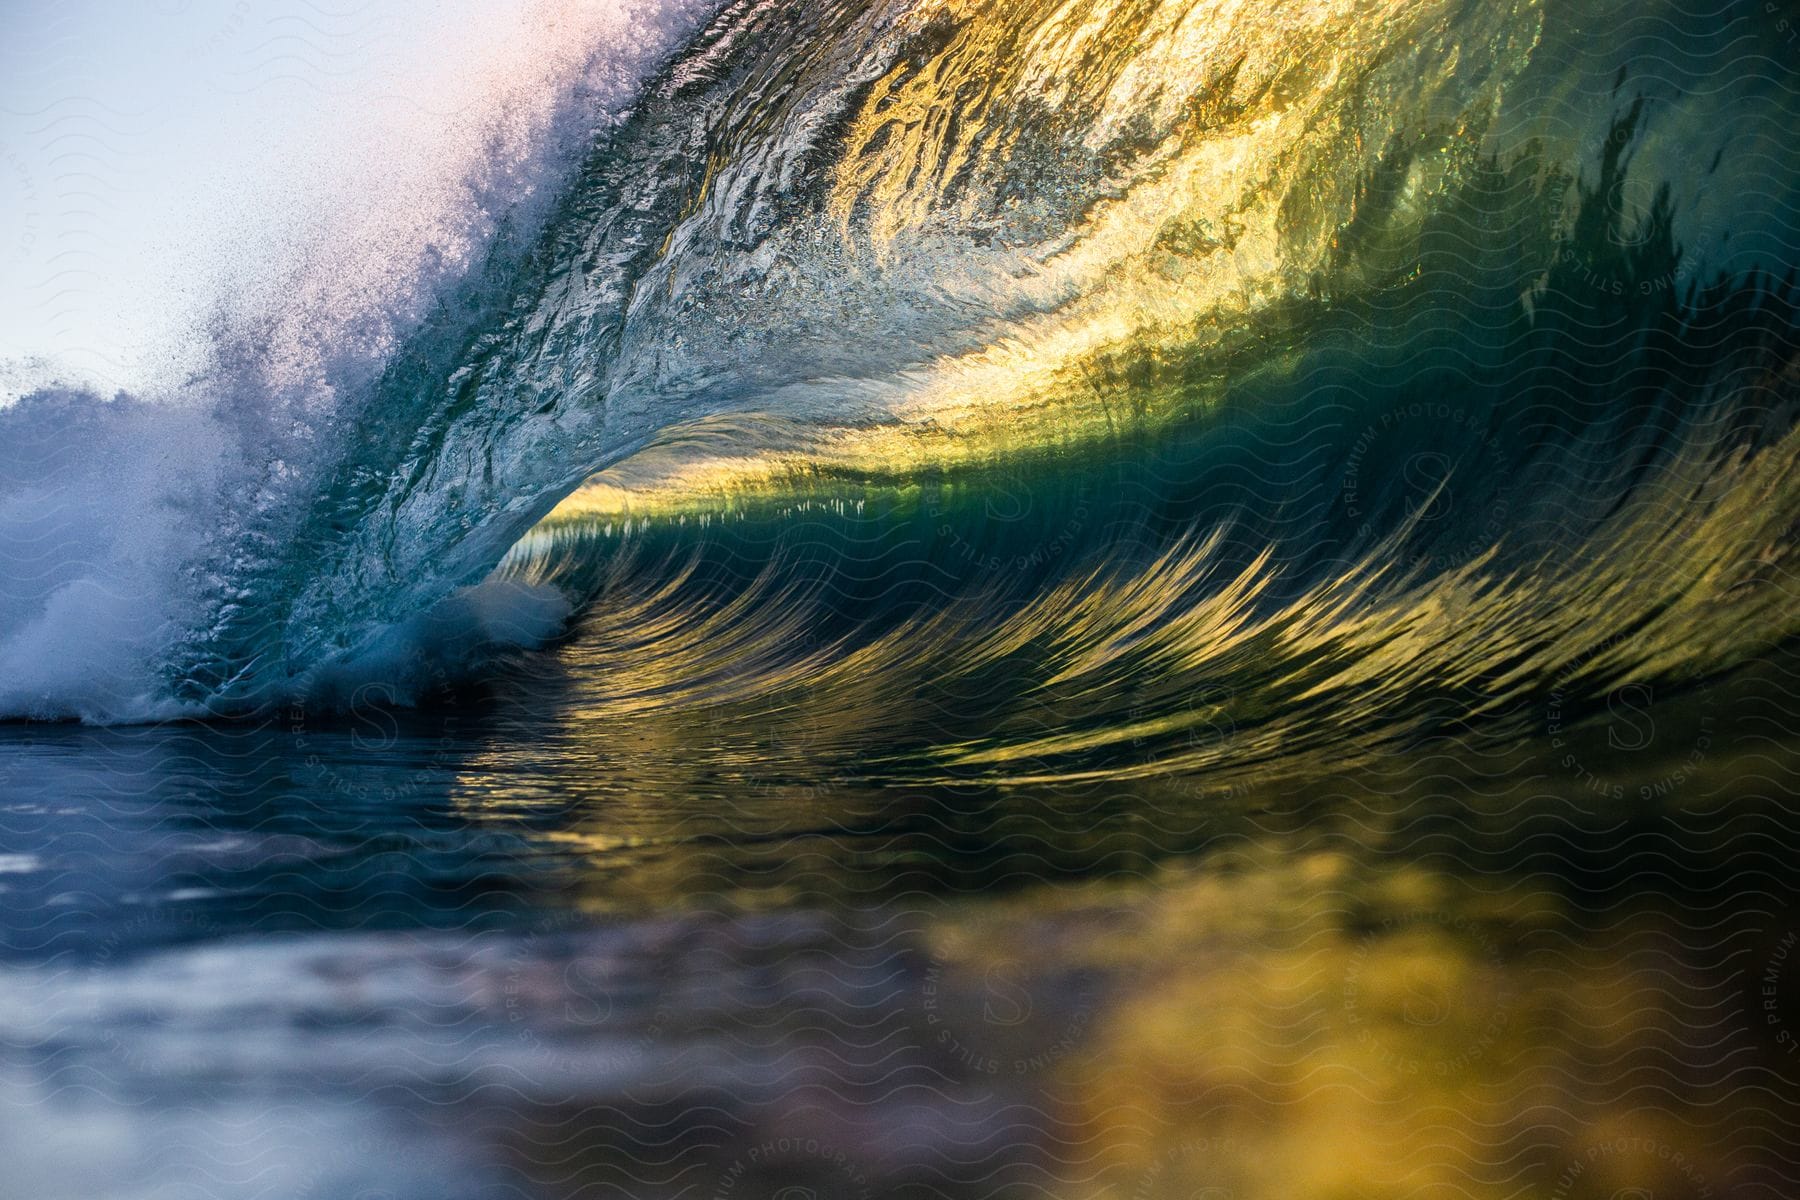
1125 387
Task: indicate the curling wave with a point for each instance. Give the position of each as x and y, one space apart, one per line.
1070 389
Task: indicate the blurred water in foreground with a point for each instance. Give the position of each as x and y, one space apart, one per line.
497 950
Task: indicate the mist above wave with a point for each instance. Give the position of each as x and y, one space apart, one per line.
129 520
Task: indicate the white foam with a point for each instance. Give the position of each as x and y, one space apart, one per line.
112 509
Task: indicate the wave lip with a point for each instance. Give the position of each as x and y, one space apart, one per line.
858 246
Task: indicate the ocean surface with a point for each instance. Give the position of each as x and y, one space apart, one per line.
1091 600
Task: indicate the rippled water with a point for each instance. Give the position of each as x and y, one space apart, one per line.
498 949
1092 600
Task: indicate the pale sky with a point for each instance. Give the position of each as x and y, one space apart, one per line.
156 154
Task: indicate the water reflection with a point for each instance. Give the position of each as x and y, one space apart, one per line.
508 946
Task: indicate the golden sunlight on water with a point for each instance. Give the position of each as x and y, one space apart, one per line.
1164 600
1312 1025
1238 144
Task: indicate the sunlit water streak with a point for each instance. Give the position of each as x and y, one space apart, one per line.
1128 600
